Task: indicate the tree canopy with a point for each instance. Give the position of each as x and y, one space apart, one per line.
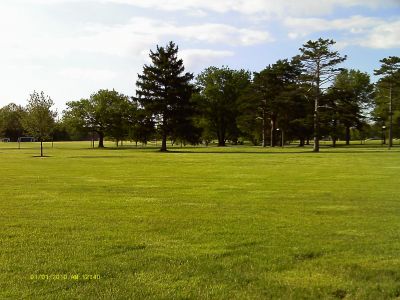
164 90
220 89
39 119
105 112
11 124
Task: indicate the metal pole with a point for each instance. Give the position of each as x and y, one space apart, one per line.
390 118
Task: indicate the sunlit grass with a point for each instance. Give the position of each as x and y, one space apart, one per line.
236 222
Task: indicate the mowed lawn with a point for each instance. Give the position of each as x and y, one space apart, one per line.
199 223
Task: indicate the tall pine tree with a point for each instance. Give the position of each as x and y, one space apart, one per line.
319 67
164 91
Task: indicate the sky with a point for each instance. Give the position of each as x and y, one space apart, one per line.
70 49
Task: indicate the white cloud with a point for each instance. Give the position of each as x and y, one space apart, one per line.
383 36
129 39
300 27
266 8
90 74
194 59
147 31
219 33
362 31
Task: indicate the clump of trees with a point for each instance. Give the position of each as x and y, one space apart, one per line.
37 119
388 93
11 125
219 90
104 113
302 98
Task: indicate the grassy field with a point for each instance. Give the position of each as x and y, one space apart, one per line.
199 223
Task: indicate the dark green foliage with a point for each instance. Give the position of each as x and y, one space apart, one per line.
350 97
142 130
105 113
220 89
273 97
78 117
164 91
250 119
121 116
11 124
61 132
390 70
390 66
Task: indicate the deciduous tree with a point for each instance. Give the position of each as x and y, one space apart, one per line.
105 112
351 95
39 119
11 121
220 89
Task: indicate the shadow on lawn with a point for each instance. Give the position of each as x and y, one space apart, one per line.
99 156
305 152
283 152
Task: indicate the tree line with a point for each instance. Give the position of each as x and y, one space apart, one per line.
305 98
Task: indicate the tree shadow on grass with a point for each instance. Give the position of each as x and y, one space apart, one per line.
235 152
266 153
99 156
283 152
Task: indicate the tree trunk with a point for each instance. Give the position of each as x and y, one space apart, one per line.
316 124
221 138
272 132
334 135
347 135
383 137
316 111
92 140
164 143
302 142
41 148
101 139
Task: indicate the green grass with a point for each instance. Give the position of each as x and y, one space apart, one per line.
201 223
